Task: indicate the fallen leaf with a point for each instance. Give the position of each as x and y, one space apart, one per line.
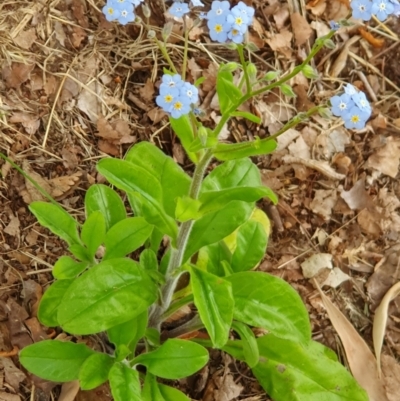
357 198
380 320
321 166
25 39
12 227
386 158
323 202
69 391
391 374
335 278
16 74
301 28
315 264
361 360
13 375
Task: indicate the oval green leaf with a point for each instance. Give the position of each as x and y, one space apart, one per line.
215 226
251 244
175 359
266 301
101 198
57 220
93 232
232 151
94 371
124 383
47 312
214 301
108 294
126 236
172 394
289 371
232 174
174 181
55 360
66 268
142 183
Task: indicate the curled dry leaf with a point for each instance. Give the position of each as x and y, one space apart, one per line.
380 320
69 391
321 166
361 360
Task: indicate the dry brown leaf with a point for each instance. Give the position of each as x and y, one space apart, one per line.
361 360
323 202
69 391
386 158
25 39
147 91
9 397
380 320
13 227
357 198
281 42
391 373
301 28
16 74
321 166
371 39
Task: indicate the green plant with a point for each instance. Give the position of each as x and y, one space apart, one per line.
216 237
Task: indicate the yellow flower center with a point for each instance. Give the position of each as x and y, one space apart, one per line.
355 119
168 98
239 21
235 32
218 28
110 11
178 106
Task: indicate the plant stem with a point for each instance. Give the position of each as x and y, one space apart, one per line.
243 62
177 254
185 49
227 115
164 52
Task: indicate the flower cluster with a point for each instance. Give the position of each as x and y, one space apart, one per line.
120 10
365 9
179 9
229 23
176 96
352 106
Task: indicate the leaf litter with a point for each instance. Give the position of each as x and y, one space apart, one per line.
85 89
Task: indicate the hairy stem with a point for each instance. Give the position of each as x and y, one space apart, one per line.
176 258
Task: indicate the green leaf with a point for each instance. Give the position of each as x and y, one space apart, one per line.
184 130
101 198
124 383
55 360
249 343
251 244
94 371
214 301
172 394
289 371
175 359
110 293
187 209
94 232
148 260
249 116
232 174
228 92
144 186
173 180
210 258
271 75
151 391
266 301
232 151
81 253
47 312
217 225
126 236
66 268
57 220
153 337
130 332
214 200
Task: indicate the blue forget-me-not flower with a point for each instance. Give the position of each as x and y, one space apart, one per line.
352 106
176 96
